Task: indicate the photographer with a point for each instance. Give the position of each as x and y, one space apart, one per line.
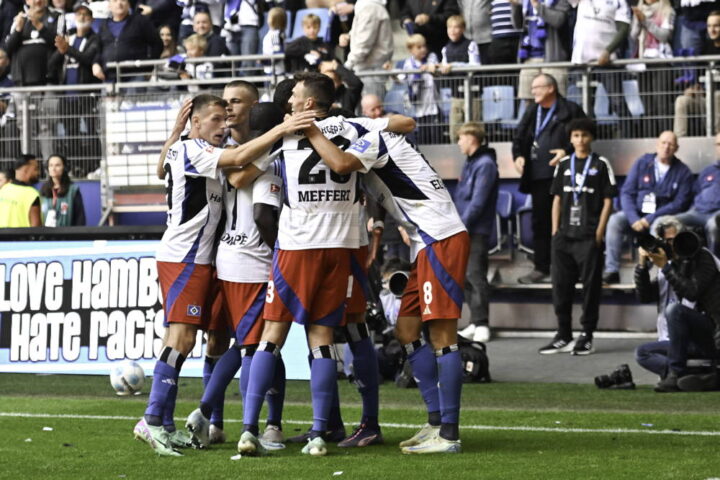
692 274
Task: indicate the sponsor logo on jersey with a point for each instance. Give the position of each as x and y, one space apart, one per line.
194 310
209 149
593 171
239 239
332 129
361 145
215 198
324 195
171 155
274 188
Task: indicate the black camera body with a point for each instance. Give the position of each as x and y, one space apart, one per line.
619 379
652 244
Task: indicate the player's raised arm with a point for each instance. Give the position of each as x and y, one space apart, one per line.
180 123
400 124
250 151
338 161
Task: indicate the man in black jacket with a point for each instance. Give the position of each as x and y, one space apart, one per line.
540 142
125 37
692 273
73 61
30 43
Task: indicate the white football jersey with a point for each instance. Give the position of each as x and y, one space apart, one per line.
321 206
242 255
194 198
400 178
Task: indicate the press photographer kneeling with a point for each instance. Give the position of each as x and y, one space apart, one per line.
691 304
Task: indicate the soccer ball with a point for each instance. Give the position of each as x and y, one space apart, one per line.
127 378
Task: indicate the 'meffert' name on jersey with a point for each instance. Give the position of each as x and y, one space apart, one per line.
194 198
400 178
321 207
242 255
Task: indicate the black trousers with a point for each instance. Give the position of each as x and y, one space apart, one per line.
541 222
575 260
477 288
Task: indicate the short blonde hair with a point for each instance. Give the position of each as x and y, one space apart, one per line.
475 129
311 19
415 40
277 18
456 19
196 40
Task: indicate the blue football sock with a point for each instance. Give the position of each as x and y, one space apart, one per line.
424 368
262 372
168 419
450 374
245 375
365 366
164 387
275 397
223 372
323 378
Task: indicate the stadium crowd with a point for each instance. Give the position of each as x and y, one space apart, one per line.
573 190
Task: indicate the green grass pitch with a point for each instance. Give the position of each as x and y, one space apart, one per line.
509 431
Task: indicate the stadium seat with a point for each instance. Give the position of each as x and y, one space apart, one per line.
631 92
396 100
512 123
297 30
603 115
574 94
523 220
498 103
502 216
445 102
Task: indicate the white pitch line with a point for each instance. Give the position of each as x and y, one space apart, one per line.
647 431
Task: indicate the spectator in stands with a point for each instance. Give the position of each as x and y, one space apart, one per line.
241 29
74 59
306 52
600 30
692 101
196 46
31 42
476 200
372 106
706 204
459 51
371 43
202 25
215 8
274 41
540 141
478 27
544 40
19 201
423 92
348 87
170 44
61 200
8 10
652 28
428 18
658 184
692 17
125 36
583 187
692 273
505 36
653 356
5 79
9 142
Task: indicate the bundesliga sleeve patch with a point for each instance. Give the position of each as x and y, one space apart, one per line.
361 145
194 310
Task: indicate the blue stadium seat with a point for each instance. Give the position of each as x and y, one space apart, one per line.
511 124
502 216
574 94
498 103
523 220
603 115
396 100
264 29
631 92
323 13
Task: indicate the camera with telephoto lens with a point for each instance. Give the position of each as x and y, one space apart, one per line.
397 282
619 379
687 244
652 244
375 317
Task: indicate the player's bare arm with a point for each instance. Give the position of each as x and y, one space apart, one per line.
180 123
400 124
338 161
252 150
242 177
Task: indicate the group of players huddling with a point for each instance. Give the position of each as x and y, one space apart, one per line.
306 265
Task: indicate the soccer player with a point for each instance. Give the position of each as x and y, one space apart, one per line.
319 226
185 253
399 176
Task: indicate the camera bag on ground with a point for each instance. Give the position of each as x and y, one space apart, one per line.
476 365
